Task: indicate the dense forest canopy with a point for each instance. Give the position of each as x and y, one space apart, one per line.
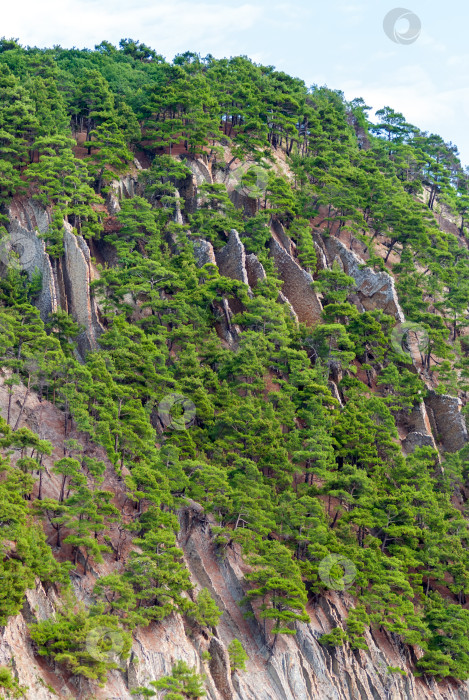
286 471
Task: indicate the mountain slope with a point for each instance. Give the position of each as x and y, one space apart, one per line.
234 351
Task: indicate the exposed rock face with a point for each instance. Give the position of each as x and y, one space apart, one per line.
199 170
447 420
112 201
227 331
278 233
419 428
203 252
299 669
321 257
26 220
254 269
296 285
375 290
68 284
335 392
415 440
282 299
123 188
231 259
78 275
178 214
231 178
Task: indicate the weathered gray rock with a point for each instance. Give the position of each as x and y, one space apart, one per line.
231 259
375 290
199 170
297 285
178 214
231 178
27 219
203 252
67 285
447 420
123 188
112 201
77 276
415 440
335 392
256 273
321 257
220 669
254 269
227 330
279 234
417 422
282 299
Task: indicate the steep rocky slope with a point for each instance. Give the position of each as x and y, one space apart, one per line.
299 668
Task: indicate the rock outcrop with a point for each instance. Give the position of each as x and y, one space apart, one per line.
300 668
297 285
123 188
231 259
447 420
78 275
419 429
414 440
279 234
65 282
374 290
254 269
199 170
203 252
27 220
231 178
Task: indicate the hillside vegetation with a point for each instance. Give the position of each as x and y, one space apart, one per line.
284 469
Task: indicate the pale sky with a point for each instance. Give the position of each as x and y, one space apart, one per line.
338 43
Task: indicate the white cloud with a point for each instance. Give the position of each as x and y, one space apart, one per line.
167 27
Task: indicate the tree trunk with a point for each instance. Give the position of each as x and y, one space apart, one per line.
23 404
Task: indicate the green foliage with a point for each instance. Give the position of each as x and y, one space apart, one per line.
86 645
183 683
205 611
335 638
9 686
286 470
238 656
334 284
